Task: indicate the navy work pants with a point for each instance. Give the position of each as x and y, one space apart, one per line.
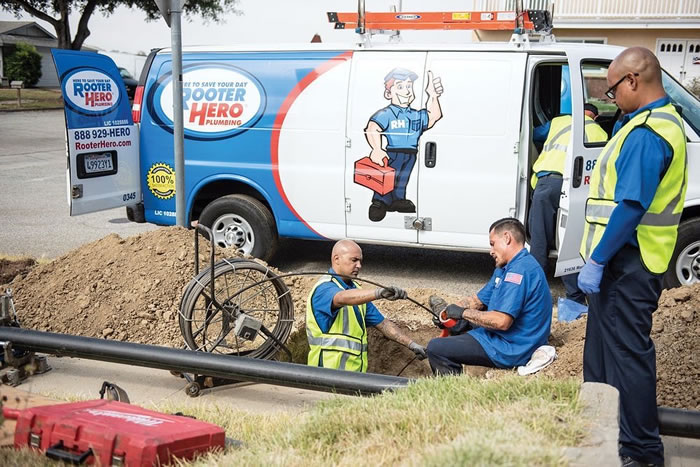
403 164
446 355
542 224
618 350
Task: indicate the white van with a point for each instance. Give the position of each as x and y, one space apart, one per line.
278 143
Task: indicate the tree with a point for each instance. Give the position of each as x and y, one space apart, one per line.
24 64
57 12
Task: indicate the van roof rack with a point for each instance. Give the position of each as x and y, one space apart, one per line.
519 21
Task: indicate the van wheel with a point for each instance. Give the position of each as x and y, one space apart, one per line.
684 268
241 222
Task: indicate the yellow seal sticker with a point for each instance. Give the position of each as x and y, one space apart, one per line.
161 180
461 16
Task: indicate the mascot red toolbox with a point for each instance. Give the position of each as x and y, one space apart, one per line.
112 433
272 135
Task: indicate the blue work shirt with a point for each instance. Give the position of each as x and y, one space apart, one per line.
322 304
642 163
402 126
519 289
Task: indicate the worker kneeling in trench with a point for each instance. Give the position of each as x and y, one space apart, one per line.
338 313
510 317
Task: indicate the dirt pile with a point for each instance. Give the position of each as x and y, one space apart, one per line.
676 334
130 289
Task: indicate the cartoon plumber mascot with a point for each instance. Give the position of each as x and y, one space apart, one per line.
402 127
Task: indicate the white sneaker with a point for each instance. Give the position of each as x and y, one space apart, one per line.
541 358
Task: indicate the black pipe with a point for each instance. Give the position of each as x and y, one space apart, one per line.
188 361
679 422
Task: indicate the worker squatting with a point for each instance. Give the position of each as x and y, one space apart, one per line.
220 106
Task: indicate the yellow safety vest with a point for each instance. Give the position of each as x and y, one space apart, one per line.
344 346
553 156
658 229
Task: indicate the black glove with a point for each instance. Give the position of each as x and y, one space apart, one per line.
418 349
390 293
454 312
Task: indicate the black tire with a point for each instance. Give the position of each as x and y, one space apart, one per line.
242 222
684 268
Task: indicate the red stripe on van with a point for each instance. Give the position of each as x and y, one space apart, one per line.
282 114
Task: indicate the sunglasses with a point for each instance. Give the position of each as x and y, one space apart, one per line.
611 92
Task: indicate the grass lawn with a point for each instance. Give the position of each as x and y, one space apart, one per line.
434 422
31 99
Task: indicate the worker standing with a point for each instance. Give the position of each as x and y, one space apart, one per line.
634 205
338 313
546 181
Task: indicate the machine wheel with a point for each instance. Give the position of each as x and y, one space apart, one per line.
192 389
242 222
684 268
242 287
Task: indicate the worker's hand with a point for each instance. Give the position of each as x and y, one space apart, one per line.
434 87
418 349
390 293
590 276
438 323
379 157
454 312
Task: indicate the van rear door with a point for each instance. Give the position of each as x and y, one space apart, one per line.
102 140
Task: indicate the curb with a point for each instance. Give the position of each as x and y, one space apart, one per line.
29 110
602 407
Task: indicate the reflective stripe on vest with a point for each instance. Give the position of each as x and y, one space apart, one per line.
658 229
553 156
344 346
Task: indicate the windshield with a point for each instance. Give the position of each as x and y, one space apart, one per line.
681 97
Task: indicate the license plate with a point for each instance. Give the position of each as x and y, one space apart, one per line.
98 163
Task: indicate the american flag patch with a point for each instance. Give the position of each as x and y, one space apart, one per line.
514 278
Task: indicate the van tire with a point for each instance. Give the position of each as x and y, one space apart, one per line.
242 222
684 268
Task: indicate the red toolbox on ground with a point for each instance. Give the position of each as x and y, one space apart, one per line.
374 176
113 433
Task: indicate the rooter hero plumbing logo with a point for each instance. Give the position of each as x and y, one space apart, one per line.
217 101
91 91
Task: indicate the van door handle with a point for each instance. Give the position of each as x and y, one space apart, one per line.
578 172
430 154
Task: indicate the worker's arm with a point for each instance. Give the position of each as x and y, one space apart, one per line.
434 91
472 303
491 319
373 133
353 297
392 331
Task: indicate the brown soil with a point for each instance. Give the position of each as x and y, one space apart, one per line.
130 289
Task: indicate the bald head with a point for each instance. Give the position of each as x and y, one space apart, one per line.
640 72
346 258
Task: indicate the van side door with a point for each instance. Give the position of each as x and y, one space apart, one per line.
384 115
468 172
588 85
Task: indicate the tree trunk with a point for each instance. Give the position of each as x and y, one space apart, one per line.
83 31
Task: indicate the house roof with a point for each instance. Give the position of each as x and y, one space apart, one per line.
25 28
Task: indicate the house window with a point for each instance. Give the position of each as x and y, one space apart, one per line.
663 47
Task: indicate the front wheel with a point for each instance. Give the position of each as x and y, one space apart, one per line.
684 268
241 222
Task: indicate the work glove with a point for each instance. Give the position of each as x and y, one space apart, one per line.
418 349
590 276
454 312
390 293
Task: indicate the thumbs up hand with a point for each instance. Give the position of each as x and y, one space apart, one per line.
434 88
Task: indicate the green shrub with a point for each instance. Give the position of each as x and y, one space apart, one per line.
24 64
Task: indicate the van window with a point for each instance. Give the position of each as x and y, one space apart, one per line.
595 84
688 103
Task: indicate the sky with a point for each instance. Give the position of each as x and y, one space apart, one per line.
262 21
